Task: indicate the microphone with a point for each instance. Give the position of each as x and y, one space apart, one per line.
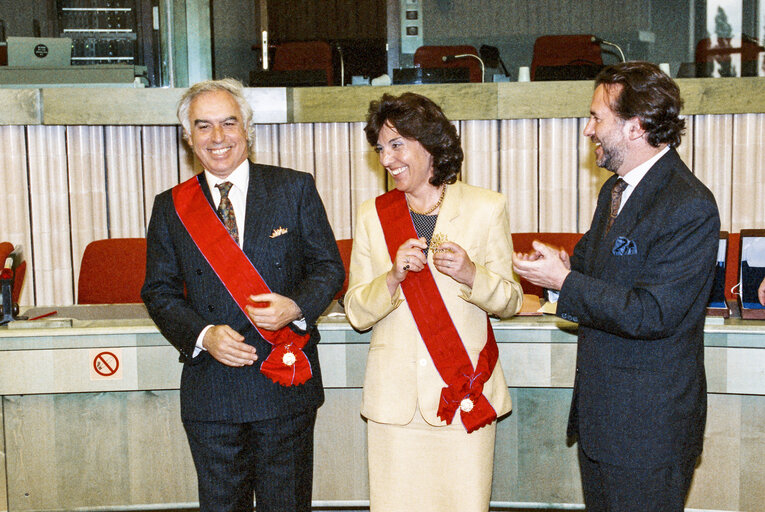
598 40
342 63
452 58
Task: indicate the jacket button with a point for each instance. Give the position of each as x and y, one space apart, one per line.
199 271
210 307
278 264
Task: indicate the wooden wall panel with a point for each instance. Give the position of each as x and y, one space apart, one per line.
558 139
518 172
712 159
60 180
748 187
14 182
51 257
480 143
87 188
368 177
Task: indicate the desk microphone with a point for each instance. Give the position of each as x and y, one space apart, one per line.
596 39
452 58
342 63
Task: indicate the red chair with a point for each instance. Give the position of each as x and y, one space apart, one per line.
344 246
566 50
722 51
732 264
18 279
432 57
522 243
112 271
304 55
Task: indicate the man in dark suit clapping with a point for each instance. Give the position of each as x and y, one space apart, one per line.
638 285
241 261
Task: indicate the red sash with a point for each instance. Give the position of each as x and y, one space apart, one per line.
464 384
287 364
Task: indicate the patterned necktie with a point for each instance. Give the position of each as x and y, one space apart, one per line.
616 201
226 210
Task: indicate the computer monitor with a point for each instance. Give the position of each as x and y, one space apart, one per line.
39 52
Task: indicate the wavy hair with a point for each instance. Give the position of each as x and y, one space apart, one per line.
229 85
416 117
647 93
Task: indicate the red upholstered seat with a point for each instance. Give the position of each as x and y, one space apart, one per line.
18 281
732 264
304 55
112 271
432 57
345 245
565 50
522 243
722 50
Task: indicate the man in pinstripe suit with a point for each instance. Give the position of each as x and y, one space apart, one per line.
238 294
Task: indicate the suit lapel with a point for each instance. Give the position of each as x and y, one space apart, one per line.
638 202
206 189
258 217
449 211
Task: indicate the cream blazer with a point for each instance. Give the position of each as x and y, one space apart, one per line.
400 374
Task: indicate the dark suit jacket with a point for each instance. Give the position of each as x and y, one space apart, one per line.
640 389
303 264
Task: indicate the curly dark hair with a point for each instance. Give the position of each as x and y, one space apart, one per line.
419 118
648 94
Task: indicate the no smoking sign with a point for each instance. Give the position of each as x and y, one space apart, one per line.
106 364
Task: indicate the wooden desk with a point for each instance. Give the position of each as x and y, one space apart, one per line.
77 439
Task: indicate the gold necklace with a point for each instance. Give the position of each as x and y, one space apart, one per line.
435 207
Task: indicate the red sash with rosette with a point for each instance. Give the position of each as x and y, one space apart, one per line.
464 384
287 364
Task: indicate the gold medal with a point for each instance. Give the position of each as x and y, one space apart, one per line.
435 242
288 359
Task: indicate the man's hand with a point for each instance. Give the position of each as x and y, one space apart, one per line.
761 292
546 266
275 314
227 346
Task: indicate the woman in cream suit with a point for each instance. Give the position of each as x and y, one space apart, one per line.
430 259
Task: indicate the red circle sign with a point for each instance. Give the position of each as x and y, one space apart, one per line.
106 364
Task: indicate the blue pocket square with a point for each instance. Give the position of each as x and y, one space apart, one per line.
624 247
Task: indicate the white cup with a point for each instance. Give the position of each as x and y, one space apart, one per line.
523 74
664 66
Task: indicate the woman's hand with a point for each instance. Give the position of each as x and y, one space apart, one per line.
409 258
452 260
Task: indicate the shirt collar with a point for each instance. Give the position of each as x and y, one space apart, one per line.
635 175
240 177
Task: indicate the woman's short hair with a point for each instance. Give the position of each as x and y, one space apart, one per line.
419 118
647 93
229 85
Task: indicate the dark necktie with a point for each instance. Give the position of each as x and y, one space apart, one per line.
226 210
616 201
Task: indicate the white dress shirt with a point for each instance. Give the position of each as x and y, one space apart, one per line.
635 175
240 179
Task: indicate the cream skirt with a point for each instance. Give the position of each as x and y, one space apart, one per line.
421 468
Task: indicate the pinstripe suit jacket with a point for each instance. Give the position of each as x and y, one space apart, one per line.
302 264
